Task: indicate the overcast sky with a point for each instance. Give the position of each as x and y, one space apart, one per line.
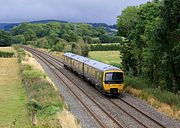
104 11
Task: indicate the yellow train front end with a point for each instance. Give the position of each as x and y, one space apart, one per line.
113 82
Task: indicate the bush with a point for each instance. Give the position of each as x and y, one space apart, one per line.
80 48
136 82
96 41
6 54
20 52
32 74
105 47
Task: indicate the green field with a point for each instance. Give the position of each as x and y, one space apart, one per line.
13 112
109 57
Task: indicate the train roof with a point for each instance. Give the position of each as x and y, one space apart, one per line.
76 57
93 63
100 66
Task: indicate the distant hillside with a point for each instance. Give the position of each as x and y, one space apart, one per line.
108 28
9 26
47 21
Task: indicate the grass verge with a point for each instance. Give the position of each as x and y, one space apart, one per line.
164 101
45 103
44 100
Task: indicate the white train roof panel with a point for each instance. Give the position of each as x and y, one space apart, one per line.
76 57
100 66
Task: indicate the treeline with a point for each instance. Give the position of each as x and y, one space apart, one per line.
153 46
74 37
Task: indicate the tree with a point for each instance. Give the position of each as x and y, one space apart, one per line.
29 35
5 38
96 41
42 42
60 46
19 39
132 24
88 39
80 48
126 22
105 38
168 39
152 49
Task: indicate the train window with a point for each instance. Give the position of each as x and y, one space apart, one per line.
114 77
100 76
92 71
71 62
97 75
85 68
77 64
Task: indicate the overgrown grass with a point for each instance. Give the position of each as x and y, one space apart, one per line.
20 52
47 99
44 100
45 104
146 91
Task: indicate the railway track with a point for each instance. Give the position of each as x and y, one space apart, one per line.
46 58
76 95
143 113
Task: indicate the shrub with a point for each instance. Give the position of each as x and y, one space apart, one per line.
105 47
136 82
6 54
32 74
20 53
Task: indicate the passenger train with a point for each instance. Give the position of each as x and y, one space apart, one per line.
106 78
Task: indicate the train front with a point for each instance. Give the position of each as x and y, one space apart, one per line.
113 82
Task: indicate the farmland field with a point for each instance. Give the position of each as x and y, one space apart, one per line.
13 112
109 57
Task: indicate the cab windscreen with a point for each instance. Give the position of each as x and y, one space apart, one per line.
113 78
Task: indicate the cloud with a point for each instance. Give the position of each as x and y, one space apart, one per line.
70 10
